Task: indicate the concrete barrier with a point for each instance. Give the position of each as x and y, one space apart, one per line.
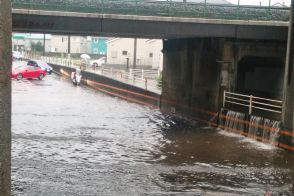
113 87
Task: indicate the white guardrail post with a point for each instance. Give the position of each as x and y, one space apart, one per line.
142 74
131 70
146 83
224 100
250 104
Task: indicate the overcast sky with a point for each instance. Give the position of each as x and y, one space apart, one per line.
263 2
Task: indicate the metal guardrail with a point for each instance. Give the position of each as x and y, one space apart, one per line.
149 74
131 77
252 102
160 8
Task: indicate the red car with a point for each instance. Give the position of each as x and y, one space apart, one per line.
28 72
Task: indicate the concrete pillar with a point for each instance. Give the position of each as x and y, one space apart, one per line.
191 77
288 112
5 97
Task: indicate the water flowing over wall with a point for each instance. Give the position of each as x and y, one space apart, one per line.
264 129
234 121
255 127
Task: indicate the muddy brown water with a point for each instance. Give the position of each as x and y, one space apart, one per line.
71 140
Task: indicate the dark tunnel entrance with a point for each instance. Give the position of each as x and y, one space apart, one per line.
261 76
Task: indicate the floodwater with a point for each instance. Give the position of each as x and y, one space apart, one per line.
71 141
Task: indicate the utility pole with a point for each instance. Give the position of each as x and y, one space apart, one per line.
269 4
68 47
44 44
135 53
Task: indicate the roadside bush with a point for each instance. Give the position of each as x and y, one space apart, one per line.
159 80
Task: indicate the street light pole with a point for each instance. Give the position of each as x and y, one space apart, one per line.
68 47
269 4
44 44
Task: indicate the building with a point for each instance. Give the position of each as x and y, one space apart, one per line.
18 42
33 39
98 45
120 51
78 44
59 43
23 42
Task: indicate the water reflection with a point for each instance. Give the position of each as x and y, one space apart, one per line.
204 159
76 141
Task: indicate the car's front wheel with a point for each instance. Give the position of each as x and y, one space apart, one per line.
19 76
41 76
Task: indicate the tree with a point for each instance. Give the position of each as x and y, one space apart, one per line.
37 47
159 80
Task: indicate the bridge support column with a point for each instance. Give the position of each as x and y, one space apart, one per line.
288 112
191 77
5 97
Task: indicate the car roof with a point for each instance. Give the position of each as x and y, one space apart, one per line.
37 61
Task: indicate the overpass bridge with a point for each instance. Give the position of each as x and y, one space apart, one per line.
207 49
201 43
150 19
160 8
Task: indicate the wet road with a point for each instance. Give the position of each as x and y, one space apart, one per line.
76 141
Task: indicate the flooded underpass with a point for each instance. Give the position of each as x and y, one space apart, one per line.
69 140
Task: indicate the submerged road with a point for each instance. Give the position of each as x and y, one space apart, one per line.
69 140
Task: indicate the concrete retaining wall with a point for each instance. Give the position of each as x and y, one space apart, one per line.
114 87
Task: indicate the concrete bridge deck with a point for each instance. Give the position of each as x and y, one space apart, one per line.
160 8
60 22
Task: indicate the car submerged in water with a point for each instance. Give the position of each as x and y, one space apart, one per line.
41 64
21 72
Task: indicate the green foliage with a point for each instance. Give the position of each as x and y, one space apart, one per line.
159 80
37 47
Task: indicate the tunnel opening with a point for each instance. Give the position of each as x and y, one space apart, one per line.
261 76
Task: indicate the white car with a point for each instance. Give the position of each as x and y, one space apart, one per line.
98 62
17 55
